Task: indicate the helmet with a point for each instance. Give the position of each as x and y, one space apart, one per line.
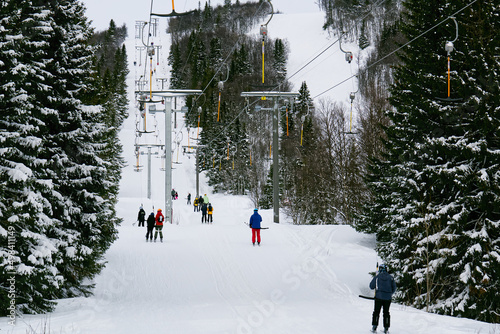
255 209
159 210
382 268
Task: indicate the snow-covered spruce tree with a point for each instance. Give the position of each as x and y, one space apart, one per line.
76 148
55 184
436 191
25 207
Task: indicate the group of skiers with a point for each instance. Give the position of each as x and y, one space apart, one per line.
383 282
152 223
174 194
203 204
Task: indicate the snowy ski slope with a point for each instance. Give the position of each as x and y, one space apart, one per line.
209 278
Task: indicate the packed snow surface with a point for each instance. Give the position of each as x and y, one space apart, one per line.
209 278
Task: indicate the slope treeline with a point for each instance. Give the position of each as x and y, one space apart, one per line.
432 153
62 99
213 50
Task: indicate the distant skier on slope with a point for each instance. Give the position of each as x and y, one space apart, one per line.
384 286
159 224
141 217
205 199
189 199
195 204
151 225
254 224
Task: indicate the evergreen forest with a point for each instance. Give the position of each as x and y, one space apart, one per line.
419 167
62 101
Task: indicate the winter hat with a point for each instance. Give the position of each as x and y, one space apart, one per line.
382 268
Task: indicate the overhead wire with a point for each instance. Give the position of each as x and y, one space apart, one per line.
355 75
286 79
399 48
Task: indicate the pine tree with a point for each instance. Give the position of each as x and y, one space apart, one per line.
279 57
436 187
58 189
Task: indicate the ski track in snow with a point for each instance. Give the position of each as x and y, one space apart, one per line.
210 279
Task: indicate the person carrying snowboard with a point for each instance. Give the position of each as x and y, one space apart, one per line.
150 225
384 286
159 224
210 210
141 217
204 213
254 224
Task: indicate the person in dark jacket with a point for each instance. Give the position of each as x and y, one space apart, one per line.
151 225
384 286
189 199
141 217
255 221
204 218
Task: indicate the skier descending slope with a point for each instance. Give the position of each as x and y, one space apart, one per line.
384 286
255 221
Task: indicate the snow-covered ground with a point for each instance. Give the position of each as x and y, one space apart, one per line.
209 278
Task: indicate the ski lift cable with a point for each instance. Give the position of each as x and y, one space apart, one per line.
149 33
223 63
401 47
289 77
332 44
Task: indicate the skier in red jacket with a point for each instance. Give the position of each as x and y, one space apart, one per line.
159 224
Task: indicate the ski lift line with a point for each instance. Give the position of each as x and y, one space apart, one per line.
401 47
223 63
316 57
338 40
217 72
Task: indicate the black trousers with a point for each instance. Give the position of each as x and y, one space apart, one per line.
149 233
379 304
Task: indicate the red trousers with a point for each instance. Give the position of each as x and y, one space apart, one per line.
256 233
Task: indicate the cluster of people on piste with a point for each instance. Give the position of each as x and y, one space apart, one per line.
383 283
152 223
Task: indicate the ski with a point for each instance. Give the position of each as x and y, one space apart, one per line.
262 228
366 297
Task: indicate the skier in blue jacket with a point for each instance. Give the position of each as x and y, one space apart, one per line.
255 221
384 286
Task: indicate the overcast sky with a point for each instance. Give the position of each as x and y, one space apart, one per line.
100 12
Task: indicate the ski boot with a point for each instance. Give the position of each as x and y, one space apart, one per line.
374 329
